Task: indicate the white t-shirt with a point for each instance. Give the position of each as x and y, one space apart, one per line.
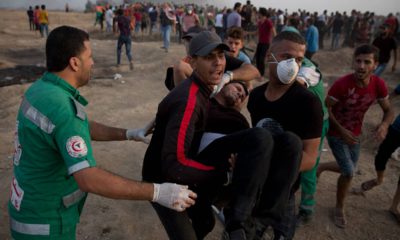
218 20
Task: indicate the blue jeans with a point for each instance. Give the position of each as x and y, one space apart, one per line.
346 155
166 34
128 43
335 40
44 30
379 70
137 26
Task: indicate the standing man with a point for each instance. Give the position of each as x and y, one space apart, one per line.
386 44
54 167
234 19
266 32
153 15
109 19
289 106
167 22
189 19
310 76
337 25
44 21
125 27
30 18
347 101
311 38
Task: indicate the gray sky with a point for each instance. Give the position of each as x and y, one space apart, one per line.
378 6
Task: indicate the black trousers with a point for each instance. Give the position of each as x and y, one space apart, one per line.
261 53
256 178
387 147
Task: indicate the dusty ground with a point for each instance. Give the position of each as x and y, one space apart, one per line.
132 100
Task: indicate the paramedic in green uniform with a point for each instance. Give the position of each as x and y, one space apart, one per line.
310 76
54 168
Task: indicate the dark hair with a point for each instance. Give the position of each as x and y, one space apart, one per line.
263 11
236 33
237 5
246 90
294 22
289 36
63 43
367 49
119 12
43 7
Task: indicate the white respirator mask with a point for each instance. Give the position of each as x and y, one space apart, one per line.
287 69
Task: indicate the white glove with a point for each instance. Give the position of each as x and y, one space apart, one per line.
140 134
227 77
173 196
309 76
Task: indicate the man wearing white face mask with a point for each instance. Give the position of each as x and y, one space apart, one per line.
293 108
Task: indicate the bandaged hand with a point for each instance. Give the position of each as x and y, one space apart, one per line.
173 196
226 78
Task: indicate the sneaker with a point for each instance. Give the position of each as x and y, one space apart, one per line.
303 218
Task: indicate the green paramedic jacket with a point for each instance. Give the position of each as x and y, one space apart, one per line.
52 141
317 89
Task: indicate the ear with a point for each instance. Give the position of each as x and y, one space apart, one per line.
193 62
74 63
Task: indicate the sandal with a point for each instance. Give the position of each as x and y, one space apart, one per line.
368 185
339 219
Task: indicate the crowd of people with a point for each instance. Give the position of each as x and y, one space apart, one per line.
203 156
39 19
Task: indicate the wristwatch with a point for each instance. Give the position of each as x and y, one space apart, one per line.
230 73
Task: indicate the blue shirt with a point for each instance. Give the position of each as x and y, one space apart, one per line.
243 57
312 39
234 20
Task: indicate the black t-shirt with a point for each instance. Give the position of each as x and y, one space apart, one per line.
337 25
385 45
232 63
298 110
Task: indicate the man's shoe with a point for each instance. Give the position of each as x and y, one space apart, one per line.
303 218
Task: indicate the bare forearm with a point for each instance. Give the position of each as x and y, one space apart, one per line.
388 117
104 183
246 72
101 132
310 153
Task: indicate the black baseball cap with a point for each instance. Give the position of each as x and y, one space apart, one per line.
204 43
193 31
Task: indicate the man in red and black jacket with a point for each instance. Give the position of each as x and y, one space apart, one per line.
173 150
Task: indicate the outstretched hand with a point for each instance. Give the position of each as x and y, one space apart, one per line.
140 134
174 196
